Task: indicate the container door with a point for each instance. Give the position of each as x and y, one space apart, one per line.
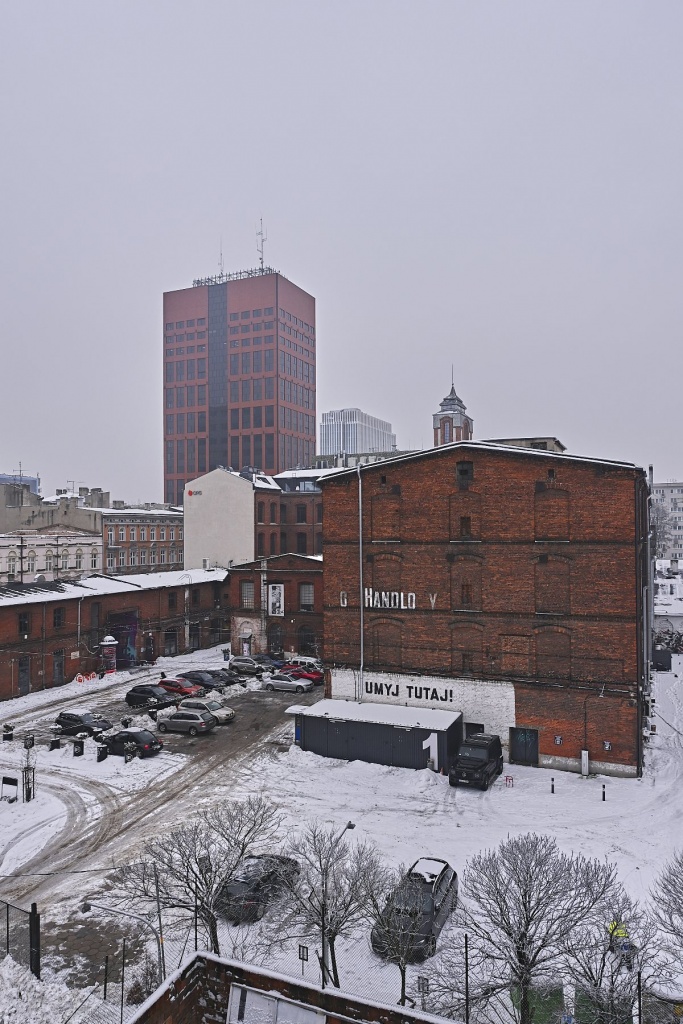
524 746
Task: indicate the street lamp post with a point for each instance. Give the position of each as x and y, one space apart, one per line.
87 905
325 944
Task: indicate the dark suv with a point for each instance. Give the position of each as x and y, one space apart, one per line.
258 880
416 911
73 722
145 693
145 742
479 760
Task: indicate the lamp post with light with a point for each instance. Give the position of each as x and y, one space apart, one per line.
325 944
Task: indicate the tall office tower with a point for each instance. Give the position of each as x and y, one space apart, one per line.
239 376
353 431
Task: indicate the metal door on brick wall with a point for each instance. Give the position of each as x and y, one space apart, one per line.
524 746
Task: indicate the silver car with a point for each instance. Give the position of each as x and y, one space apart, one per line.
193 722
221 712
281 681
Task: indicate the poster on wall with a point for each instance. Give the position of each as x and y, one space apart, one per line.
276 599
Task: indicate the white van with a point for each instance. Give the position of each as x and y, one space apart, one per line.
303 661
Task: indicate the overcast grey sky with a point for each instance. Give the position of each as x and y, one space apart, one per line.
495 185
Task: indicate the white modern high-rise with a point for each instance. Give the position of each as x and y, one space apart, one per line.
353 431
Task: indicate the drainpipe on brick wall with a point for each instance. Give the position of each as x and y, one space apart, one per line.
361 685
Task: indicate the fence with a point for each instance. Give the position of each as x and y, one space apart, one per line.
21 935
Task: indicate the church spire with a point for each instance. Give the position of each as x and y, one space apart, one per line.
451 422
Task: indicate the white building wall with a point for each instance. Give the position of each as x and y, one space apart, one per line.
487 703
55 555
219 520
353 431
670 496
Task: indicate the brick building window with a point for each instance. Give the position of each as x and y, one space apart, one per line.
273 543
465 527
283 513
466 595
261 544
306 597
79 559
283 542
247 594
122 557
110 535
122 533
49 561
133 533
273 512
301 513
260 512
24 621
110 560
172 601
301 544
464 474
196 597
31 562
319 512
58 617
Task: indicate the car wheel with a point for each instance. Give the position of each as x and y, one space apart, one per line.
452 782
269 686
485 785
161 727
299 689
192 730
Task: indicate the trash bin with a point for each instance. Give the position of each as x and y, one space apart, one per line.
7 733
102 751
55 743
226 654
79 747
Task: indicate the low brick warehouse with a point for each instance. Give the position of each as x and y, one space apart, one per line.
527 570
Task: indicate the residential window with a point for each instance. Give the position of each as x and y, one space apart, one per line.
65 559
283 542
245 314
301 514
162 533
152 533
11 564
319 512
172 556
143 556
234 316
143 533
283 513
122 533
58 617
79 559
24 623
273 543
93 558
162 556
172 601
464 474
133 533
247 594
306 597
133 560
196 597
466 595
201 321
301 544
260 544
31 562
260 511
110 559
273 512
153 557
122 557
171 533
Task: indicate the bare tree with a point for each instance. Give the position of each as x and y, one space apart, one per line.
329 896
523 902
662 526
187 870
667 896
606 954
396 905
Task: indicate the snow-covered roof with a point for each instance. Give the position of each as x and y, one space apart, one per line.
484 446
39 592
304 474
668 606
379 714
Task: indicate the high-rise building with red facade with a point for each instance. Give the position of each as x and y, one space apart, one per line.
239 376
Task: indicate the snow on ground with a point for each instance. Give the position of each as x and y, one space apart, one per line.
27 828
25 1000
13 709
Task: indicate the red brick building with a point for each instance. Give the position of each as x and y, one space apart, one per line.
291 520
50 632
239 376
277 605
508 583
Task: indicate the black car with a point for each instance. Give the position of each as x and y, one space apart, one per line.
259 880
479 760
209 680
233 678
145 742
416 911
145 693
73 722
269 664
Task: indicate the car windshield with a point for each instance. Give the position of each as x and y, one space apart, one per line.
410 898
87 717
473 753
212 705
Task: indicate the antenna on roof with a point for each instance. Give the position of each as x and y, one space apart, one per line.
452 376
220 258
261 240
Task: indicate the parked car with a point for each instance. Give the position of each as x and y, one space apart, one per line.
416 911
306 661
317 678
207 680
247 666
145 742
221 712
73 722
269 663
144 693
181 687
233 678
478 761
257 882
192 722
282 681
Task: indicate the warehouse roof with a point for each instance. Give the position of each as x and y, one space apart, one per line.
45 590
483 446
379 714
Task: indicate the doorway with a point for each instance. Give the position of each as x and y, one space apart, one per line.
524 746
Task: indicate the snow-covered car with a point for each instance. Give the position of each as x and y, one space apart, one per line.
416 911
282 681
259 879
73 722
221 712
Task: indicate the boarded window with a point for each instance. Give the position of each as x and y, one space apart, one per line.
466 650
551 513
465 517
515 655
466 583
553 654
386 517
552 585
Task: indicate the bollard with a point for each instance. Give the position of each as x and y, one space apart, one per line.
552 784
55 743
102 751
603 791
79 747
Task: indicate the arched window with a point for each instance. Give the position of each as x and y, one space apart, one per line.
93 558
65 558
261 511
31 561
49 561
12 563
446 431
79 559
